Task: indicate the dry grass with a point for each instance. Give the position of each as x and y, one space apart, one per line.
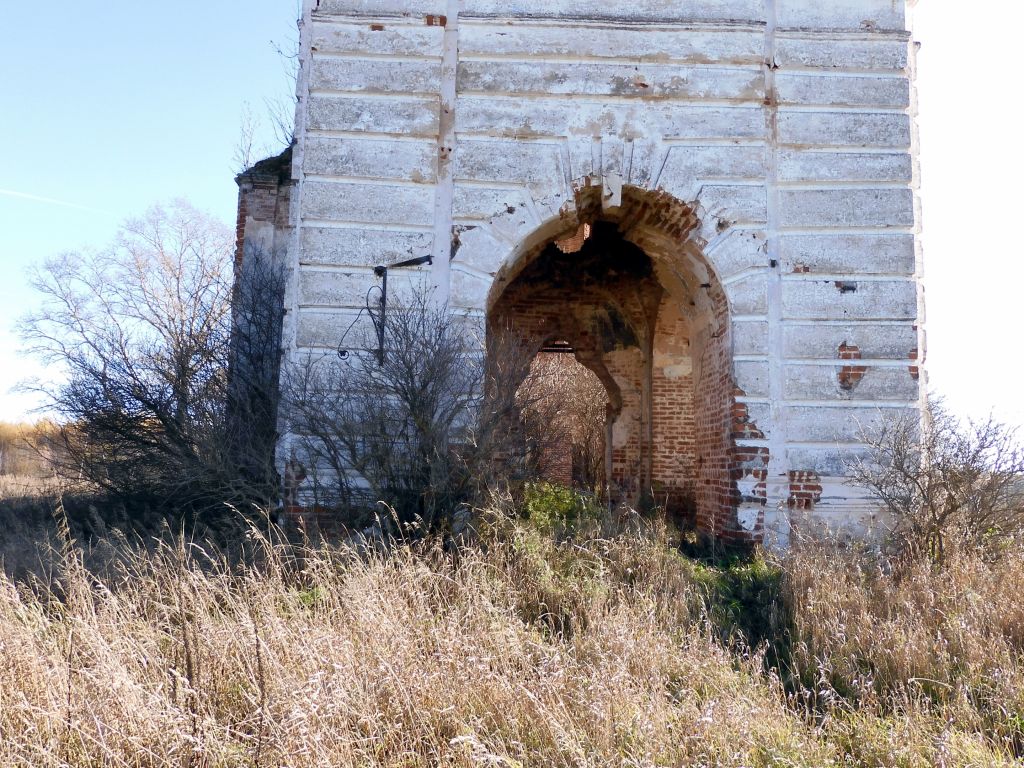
519 651
917 648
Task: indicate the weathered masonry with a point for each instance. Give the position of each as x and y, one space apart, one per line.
711 201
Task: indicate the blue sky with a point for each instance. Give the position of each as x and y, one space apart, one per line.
109 107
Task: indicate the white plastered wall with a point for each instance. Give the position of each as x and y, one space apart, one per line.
788 124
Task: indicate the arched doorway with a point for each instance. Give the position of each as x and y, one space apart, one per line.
627 290
563 411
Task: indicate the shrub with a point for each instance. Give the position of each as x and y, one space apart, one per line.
149 342
424 422
947 485
555 508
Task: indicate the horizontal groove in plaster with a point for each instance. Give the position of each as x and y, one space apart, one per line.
554 140
845 34
492 184
371 226
873 230
726 25
750 318
433 96
731 181
479 19
810 69
866 362
825 186
828 362
825 444
390 181
712 141
427 99
399 138
409 58
598 99
751 66
799 322
874 74
859 277
366 181
850 148
857 404
338 310
694 25
846 109
361 270
751 104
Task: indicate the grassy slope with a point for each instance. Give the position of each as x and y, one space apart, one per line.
521 650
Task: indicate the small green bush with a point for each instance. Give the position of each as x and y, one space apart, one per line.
553 508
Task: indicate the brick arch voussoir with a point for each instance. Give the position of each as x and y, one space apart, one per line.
656 219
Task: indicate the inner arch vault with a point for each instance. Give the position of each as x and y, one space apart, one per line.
627 286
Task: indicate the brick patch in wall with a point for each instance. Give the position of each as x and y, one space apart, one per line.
804 489
850 375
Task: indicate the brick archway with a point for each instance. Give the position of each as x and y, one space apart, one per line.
622 278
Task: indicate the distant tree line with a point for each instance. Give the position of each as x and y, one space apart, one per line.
28 449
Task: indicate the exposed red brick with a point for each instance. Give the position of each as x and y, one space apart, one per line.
850 375
694 423
804 489
264 195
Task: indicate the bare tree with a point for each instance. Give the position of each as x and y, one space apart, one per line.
387 429
247 152
946 484
426 427
140 339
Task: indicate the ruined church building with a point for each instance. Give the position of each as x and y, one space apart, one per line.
713 202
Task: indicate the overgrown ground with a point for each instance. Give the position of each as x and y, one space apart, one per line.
529 647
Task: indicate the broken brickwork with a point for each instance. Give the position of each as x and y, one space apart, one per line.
850 375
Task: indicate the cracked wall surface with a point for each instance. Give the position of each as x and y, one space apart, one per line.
763 148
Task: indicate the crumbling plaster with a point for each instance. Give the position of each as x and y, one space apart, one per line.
477 131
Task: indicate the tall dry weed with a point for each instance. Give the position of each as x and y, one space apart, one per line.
522 651
528 653
916 644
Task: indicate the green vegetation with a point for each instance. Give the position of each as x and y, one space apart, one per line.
556 509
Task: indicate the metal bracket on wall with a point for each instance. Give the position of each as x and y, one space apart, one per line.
379 316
